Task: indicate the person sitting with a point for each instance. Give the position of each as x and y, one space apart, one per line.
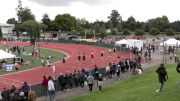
26 63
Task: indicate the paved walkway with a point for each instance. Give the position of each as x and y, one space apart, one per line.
65 96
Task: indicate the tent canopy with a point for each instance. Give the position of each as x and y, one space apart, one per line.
5 55
130 43
171 42
121 42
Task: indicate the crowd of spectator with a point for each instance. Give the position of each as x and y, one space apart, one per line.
25 93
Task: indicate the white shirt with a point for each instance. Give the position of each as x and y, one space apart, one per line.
51 85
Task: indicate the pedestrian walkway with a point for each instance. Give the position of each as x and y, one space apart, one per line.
65 96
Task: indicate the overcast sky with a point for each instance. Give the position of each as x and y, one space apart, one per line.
91 10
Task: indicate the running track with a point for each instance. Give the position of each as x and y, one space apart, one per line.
34 76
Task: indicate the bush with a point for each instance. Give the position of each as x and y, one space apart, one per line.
154 31
170 32
139 32
126 32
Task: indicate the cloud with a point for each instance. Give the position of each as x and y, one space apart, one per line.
67 2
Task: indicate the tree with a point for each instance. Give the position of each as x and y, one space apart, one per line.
115 18
66 22
162 23
32 27
130 23
97 28
126 32
154 31
46 20
139 32
24 14
170 32
119 27
175 25
11 21
1 34
53 26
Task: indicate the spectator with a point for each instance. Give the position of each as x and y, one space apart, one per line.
45 84
5 95
32 95
70 81
81 80
25 89
162 75
62 82
76 78
90 80
51 89
100 82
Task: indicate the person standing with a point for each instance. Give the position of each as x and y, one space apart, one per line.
25 88
51 89
45 84
90 80
31 95
100 82
162 75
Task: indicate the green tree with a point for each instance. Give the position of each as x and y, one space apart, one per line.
139 32
130 24
97 28
170 32
162 23
175 25
46 20
115 18
154 31
66 22
25 14
32 27
126 32
11 21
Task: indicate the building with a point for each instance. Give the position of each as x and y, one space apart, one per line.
7 29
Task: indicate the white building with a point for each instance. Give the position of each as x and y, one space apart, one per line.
7 29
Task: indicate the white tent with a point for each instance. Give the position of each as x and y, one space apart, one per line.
5 55
171 42
135 43
121 42
130 43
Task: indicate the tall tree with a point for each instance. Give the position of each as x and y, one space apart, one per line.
66 22
24 14
32 27
11 21
130 23
97 28
46 20
115 18
162 23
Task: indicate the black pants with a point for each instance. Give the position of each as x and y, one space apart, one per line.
90 87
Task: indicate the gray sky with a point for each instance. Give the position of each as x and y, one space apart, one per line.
91 10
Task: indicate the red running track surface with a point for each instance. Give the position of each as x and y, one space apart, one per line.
34 76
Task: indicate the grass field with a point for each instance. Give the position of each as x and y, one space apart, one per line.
139 88
34 61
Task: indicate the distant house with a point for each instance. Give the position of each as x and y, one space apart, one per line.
7 29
